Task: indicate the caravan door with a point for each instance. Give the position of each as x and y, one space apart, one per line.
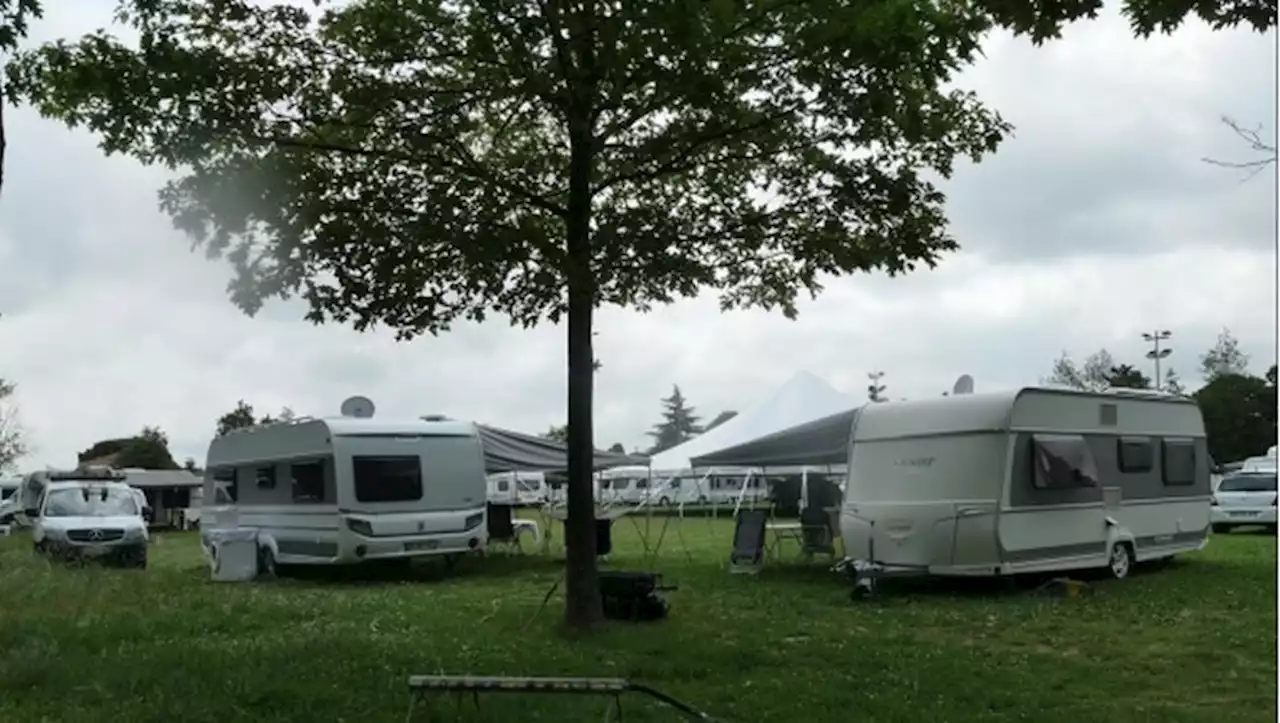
1055 516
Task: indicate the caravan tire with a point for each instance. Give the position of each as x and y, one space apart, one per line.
1121 561
663 501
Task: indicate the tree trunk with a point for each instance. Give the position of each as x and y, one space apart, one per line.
2 144
582 595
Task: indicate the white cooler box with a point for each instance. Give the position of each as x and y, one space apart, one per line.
233 554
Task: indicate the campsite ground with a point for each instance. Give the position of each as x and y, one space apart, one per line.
1194 641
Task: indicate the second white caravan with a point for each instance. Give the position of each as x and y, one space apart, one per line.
1027 481
348 490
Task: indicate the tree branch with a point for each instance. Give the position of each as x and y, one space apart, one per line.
673 165
468 164
1253 137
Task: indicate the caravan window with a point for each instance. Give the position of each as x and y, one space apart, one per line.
1179 461
1062 462
265 477
387 479
1135 454
504 486
225 489
308 481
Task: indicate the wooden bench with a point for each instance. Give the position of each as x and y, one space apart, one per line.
424 687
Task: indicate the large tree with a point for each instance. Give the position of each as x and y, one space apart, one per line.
414 163
13 445
1094 375
243 416
15 18
1128 377
1225 358
149 449
1239 416
557 433
679 423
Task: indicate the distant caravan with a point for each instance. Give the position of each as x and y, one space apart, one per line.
348 490
1031 480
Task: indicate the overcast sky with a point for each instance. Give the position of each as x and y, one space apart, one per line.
1097 221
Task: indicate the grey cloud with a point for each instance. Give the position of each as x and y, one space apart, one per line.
1109 141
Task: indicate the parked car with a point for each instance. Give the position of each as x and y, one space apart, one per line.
80 520
1244 498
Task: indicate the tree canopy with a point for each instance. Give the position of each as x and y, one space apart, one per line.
1225 358
243 416
1126 376
149 449
413 164
557 433
1239 416
679 423
13 445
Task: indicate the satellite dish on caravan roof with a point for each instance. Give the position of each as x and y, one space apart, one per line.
357 406
963 385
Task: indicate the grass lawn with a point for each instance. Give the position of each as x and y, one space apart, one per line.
1192 642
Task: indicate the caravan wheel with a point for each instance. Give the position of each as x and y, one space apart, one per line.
1121 560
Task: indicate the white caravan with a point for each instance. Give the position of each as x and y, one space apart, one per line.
518 488
348 490
1026 481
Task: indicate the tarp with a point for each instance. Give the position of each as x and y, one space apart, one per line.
507 451
823 441
802 398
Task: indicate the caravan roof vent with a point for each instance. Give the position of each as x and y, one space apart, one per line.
434 418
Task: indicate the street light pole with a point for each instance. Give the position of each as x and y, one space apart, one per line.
1156 353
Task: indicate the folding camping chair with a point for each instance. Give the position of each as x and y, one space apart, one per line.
748 542
816 534
501 527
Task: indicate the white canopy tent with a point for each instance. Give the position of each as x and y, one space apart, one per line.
803 398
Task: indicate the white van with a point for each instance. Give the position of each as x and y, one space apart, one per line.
348 490
1029 480
90 519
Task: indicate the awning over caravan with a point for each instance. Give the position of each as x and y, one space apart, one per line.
507 451
823 441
